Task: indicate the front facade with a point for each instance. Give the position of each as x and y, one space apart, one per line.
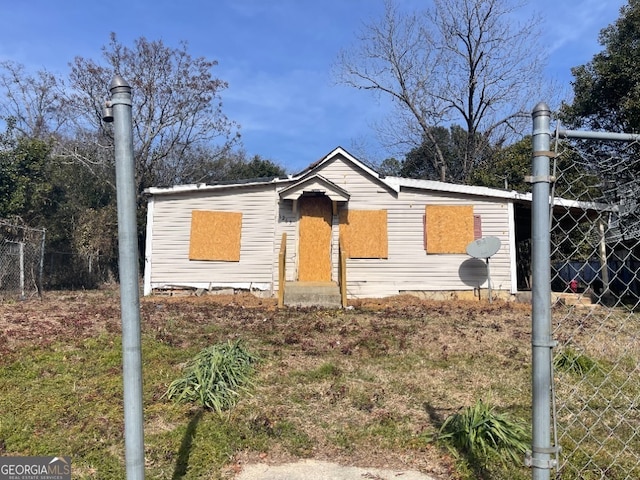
399 235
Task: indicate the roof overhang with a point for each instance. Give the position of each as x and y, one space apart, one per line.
314 184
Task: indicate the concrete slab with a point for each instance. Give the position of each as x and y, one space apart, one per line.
317 470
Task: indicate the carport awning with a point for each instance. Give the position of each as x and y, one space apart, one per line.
315 184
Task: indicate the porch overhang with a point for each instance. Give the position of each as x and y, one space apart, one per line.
314 185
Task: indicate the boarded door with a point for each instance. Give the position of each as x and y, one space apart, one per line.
314 264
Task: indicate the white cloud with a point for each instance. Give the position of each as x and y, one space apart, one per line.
578 25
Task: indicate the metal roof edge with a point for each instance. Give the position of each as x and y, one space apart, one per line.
455 188
203 187
434 185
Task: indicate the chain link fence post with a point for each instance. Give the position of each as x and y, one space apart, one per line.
21 259
539 458
591 303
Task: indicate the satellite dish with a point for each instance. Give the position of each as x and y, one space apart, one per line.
484 247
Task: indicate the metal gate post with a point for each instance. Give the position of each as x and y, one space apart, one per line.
540 459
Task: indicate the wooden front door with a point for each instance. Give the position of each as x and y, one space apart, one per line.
314 249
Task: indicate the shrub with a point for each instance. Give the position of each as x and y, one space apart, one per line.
215 377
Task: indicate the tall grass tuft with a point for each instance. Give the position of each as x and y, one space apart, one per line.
481 436
573 361
215 377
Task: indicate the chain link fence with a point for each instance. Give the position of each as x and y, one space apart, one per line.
72 271
595 312
21 261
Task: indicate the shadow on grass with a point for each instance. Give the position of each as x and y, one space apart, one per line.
182 463
434 415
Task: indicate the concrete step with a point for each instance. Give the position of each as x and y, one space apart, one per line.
312 294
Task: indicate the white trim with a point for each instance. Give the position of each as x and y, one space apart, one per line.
433 185
316 183
147 248
203 187
513 264
277 237
344 153
398 182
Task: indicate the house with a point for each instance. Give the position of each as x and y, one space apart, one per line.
391 235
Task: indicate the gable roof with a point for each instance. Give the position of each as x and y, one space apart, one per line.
314 184
299 177
310 180
339 151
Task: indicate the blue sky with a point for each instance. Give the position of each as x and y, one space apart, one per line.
276 56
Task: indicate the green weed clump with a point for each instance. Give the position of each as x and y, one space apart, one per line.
573 361
481 437
215 377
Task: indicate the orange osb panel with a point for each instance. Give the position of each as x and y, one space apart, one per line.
448 228
215 236
365 233
314 264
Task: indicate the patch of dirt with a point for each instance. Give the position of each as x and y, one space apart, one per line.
82 314
86 313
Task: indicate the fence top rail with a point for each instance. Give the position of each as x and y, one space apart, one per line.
8 224
588 135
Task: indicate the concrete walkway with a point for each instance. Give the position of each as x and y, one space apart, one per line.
316 470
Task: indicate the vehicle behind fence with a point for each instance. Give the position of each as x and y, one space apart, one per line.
21 261
595 299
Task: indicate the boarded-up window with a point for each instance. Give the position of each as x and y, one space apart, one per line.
450 228
364 233
215 236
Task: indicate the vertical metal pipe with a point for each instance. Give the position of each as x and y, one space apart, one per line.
41 265
128 269
488 280
602 250
21 260
541 341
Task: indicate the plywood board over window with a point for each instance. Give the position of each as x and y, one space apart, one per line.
364 233
450 228
215 235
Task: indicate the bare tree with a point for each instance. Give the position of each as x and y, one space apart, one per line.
33 103
466 62
176 107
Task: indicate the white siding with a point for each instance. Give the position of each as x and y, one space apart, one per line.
265 218
171 231
408 266
286 222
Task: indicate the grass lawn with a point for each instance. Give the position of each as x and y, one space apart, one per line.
366 386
